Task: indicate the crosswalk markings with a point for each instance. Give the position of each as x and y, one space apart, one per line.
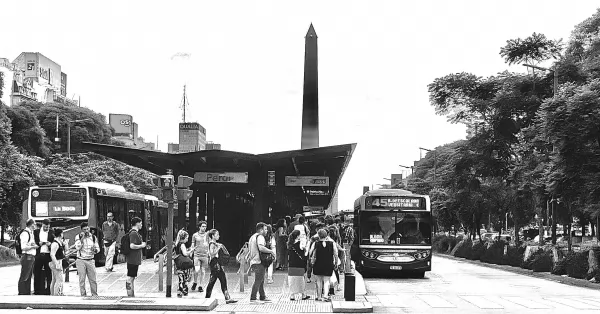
591 301
436 301
481 302
527 303
576 304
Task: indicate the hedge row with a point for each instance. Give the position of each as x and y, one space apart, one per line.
574 264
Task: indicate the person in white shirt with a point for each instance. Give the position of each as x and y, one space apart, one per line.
27 257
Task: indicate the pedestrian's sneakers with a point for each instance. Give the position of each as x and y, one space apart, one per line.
230 301
194 286
270 281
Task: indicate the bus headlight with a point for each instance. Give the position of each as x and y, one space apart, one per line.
422 255
369 254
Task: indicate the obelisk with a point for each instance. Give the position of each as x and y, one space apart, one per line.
310 100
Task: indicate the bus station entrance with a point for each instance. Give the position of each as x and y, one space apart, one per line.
233 191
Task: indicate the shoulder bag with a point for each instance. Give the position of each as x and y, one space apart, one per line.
266 259
183 262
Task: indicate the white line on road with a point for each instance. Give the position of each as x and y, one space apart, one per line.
577 304
436 301
527 303
481 302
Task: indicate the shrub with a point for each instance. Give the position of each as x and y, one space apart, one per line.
560 268
542 261
438 242
527 264
477 250
514 256
463 249
494 254
577 264
452 241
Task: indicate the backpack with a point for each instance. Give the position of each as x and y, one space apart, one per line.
223 256
18 246
125 242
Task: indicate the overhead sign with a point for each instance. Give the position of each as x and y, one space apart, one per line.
221 177
312 208
316 192
306 181
271 179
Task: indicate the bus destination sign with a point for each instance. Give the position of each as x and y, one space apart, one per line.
392 202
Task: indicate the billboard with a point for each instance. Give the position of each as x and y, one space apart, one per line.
122 123
63 84
49 71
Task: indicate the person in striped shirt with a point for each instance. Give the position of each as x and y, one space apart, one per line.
87 246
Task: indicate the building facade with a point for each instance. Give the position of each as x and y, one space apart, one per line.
33 77
213 146
126 131
192 137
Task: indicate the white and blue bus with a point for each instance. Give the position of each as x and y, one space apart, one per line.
66 206
393 230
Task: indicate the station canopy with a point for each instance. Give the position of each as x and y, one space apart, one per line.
328 162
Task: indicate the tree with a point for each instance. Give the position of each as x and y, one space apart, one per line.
27 135
95 130
15 173
532 49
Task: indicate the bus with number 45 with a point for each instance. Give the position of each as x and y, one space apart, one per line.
393 231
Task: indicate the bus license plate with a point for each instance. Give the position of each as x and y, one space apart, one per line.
396 267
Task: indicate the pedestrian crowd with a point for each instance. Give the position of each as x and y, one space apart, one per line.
309 251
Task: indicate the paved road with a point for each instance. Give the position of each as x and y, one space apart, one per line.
459 287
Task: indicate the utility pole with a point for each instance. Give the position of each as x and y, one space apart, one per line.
166 192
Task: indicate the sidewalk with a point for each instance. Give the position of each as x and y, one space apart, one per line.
111 289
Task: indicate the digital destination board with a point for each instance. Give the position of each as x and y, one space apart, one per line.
383 202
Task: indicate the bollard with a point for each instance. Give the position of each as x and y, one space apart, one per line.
349 287
243 278
67 273
161 264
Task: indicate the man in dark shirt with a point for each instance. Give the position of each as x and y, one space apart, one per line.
134 258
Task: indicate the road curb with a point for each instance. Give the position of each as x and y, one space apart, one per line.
110 303
351 307
518 270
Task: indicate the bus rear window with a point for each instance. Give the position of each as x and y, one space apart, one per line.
58 202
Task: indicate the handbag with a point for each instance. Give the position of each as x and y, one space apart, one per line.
183 262
266 259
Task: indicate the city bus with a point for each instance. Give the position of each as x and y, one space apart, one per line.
393 230
67 206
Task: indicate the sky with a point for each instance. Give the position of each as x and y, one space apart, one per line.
244 75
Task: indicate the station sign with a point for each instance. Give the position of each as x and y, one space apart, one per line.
306 181
221 177
316 192
312 208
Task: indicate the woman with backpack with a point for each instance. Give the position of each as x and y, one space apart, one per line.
297 267
217 255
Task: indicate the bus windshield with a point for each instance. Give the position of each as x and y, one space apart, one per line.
58 202
395 228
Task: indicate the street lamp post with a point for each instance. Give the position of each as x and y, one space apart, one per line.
69 134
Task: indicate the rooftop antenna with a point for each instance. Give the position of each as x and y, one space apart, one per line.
184 102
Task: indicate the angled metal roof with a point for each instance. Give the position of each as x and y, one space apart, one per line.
328 161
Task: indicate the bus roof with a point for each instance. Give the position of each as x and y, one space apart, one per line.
102 185
388 192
